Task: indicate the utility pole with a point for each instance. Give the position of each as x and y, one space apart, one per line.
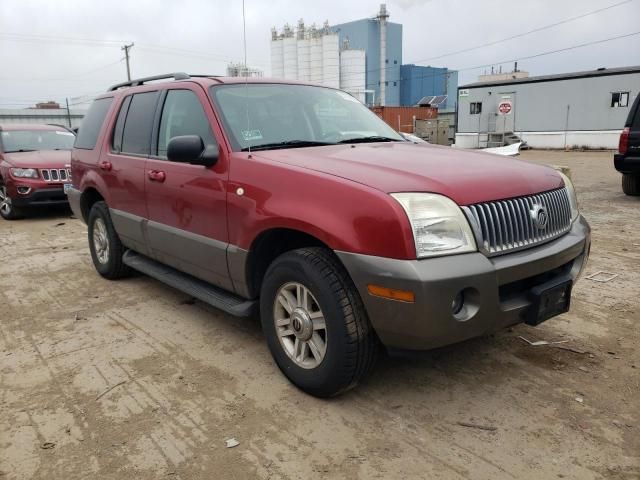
68 112
126 49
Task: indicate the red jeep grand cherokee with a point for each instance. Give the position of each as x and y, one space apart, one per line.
297 200
34 166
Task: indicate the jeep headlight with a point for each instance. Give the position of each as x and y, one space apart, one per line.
573 199
438 224
24 172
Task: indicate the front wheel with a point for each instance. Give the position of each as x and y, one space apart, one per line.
8 210
315 323
104 244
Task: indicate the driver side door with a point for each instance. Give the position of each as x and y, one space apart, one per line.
186 203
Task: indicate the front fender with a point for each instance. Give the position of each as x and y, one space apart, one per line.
343 214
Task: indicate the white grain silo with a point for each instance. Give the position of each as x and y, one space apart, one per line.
304 53
277 55
353 73
331 60
290 49
315 49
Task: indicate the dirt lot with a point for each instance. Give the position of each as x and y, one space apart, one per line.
187 377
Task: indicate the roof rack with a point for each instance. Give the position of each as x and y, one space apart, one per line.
140 81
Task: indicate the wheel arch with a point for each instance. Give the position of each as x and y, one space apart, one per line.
269 245
89 197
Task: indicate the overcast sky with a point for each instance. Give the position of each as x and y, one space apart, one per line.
67 48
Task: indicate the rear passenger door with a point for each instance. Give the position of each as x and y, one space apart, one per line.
186 203
123 167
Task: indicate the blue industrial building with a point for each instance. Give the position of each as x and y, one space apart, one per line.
417 82
365 34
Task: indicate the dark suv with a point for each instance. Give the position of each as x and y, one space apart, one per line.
298 201
627 160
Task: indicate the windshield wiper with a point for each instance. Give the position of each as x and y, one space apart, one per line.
370 139
22 150
287 144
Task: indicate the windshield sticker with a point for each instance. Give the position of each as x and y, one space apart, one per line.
250 135
346 96
68 134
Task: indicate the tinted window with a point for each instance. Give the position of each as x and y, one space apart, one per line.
635 113
116 141
183 114
136 137
92 123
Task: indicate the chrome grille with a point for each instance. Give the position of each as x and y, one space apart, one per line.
56 174
508 225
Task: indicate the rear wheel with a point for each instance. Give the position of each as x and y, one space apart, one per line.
104 244
631 183
8 211
315 323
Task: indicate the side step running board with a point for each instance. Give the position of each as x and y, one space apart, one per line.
199 289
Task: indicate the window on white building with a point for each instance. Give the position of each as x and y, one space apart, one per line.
475 108
619 99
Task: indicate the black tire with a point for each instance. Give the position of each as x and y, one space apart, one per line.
8 211
351 343
631 184
112 267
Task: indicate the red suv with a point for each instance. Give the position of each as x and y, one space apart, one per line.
297 201
34 167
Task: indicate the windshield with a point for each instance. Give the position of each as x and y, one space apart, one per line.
29 140
265 116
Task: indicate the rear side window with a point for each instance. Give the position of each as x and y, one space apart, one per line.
136 137
634 114
92 123
183 114
116 141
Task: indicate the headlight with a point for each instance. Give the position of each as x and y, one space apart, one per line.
571 193
24 172
439 226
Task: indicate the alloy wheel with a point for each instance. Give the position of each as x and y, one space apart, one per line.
300 325
101 241
5 201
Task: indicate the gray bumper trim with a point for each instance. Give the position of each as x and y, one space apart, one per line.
74 197
494 301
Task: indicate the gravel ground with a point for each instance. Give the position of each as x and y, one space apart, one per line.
131 379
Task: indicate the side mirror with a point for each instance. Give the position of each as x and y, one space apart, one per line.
191 149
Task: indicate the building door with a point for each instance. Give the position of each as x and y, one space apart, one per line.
506 123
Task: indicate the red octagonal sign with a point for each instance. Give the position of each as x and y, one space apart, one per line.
504 108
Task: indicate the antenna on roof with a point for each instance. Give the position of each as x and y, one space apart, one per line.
246 79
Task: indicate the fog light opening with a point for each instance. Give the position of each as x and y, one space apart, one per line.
458 303
23 190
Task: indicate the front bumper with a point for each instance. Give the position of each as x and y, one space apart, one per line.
40 197
496 289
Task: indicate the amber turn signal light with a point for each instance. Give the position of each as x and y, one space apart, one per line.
391 293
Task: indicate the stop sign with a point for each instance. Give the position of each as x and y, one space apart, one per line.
505 107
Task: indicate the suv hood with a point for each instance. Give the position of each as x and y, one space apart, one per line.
39 159
465 176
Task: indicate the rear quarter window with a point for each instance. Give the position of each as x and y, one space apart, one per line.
634 114
92 124
136 137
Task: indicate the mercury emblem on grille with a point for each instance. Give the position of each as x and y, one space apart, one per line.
539 216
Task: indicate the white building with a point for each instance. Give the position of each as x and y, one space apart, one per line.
315 55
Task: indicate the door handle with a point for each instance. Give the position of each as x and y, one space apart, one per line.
104 165
157 176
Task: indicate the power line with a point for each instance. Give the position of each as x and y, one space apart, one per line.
517 59
535 30
55 38
69 78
